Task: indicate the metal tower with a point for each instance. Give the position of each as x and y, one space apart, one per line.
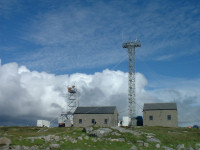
66 118
72 103
131 45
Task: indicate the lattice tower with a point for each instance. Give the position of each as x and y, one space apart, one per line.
131 45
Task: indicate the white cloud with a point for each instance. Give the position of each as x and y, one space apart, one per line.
33 95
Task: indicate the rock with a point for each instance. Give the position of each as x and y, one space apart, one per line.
52 146
17 147
5 141
73 141
57 138
48 148
115 133
25 148
121 139
80 138
86 137
123 130
180 146
47 138
153 140
189 148
35 147
197 145
100 132
129 143
140 143
5 147
133 147
88 129
157 145
167 148
99 139
150 134
94 140
117 140
146 144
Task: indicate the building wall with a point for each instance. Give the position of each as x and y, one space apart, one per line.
112 120
160 118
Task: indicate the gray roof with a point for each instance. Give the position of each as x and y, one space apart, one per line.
160 106
95 110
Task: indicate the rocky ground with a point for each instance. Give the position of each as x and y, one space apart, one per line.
93 138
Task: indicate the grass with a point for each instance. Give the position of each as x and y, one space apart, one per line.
169 137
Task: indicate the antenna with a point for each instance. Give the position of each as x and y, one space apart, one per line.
131 45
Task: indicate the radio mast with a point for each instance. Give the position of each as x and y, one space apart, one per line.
131 45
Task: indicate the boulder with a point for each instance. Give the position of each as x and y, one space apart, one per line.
153 140
5 141
57 138
94 140
88 129
25 148
86 137
133 147
158 145
117 140
115 133
100 132
146 144
47 138
167 148
189 148
140 142
53 146
35 147
123 130
180 146
80 138
17 147
198 145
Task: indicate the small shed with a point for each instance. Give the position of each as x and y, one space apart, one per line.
43 123
104 116
160 114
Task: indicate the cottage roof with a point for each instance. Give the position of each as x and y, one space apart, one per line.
160 106
95 110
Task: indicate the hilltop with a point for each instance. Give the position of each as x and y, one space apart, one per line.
93 138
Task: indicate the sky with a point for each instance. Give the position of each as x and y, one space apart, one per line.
48 45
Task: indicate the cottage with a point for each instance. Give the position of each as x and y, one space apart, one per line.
160 114
105 116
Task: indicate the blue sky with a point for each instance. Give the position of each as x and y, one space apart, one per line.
85 36
66 37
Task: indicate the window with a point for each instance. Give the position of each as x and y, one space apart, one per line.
93 121
80 121
106 121
169 117
150 117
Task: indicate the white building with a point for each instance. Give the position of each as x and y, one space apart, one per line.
43 123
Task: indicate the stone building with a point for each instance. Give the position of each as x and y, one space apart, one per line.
105 116
160 114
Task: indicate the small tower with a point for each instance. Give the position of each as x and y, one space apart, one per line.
66 119
131 45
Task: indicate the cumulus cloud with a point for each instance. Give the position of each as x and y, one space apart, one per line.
30 95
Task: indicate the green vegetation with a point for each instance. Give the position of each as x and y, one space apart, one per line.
69 137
